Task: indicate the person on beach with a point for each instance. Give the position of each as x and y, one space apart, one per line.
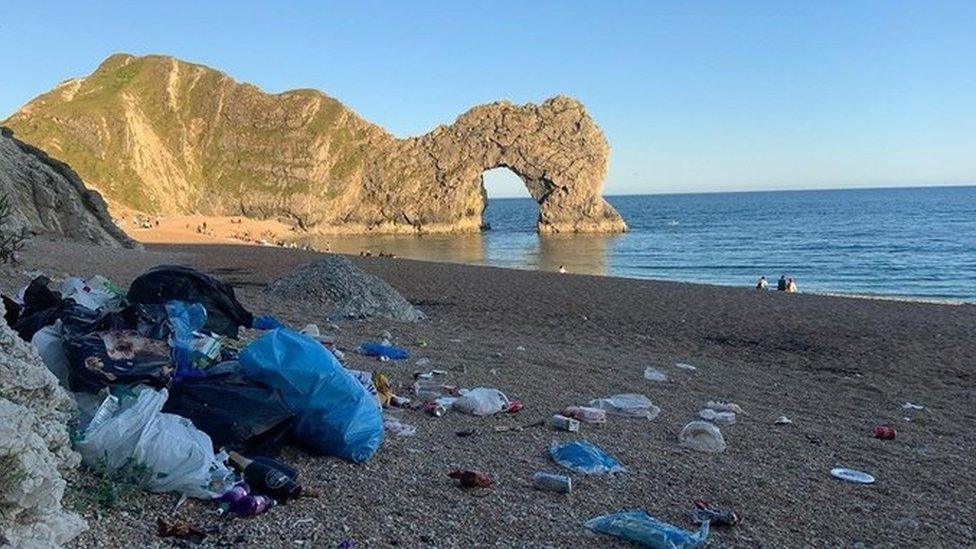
791 286
762 285
781 284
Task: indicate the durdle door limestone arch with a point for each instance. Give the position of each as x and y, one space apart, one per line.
165 136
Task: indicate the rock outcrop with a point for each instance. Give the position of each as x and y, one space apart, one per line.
164 136
34 449
47 197
346 290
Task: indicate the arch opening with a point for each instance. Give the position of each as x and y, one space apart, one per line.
509 203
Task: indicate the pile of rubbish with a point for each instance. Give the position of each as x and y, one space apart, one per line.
163 384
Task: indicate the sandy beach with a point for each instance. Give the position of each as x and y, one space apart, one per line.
836 367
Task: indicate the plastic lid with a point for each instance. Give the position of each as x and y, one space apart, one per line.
851 475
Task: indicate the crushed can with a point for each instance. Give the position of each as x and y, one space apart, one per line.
550 482
435 409
565 423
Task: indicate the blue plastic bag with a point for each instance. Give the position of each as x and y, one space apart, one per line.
335 414
185 319
266 322
584 457
380 350
647 531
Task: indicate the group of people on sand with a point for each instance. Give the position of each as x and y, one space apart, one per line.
782 285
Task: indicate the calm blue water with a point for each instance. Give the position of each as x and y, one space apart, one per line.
918 242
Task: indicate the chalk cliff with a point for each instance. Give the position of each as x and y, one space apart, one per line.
161 135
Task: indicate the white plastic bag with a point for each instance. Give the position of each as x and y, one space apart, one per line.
181 459
628 405
95 293
177 455
481 401
49 342
110 439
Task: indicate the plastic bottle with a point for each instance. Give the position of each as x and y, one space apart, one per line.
249 506
264 478
230 499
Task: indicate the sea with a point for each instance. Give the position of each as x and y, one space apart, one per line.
915 243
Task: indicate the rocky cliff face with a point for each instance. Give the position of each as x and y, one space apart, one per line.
161 135
34 449
47 197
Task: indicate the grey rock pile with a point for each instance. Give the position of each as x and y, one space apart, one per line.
350 292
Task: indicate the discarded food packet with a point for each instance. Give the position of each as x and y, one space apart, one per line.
647 531
584 457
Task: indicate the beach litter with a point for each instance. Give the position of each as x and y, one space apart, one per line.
335 413
684 366
702 436
481 401
653 374
586 414
584 457
715 516
551 482
181 530
725 407
885 432
471 479
852 475
564 423
397 428
910 406
783 420
627 405
720 418
383 351
647 531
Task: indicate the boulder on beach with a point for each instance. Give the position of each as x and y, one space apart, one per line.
350 292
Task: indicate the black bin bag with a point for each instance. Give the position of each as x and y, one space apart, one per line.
165 283
239 414
120 357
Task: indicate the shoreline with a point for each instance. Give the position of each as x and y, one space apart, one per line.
226 230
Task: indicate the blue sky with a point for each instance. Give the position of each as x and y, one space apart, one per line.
693 96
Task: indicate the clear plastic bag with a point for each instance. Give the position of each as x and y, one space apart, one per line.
481 401
627 405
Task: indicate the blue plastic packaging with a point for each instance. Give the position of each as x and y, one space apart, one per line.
584 457
266 322
185 319
647 531
335 414
380 350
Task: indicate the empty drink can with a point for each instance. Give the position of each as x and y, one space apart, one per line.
565 423
587 414
552 483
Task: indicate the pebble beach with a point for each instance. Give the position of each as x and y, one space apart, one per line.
836 367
